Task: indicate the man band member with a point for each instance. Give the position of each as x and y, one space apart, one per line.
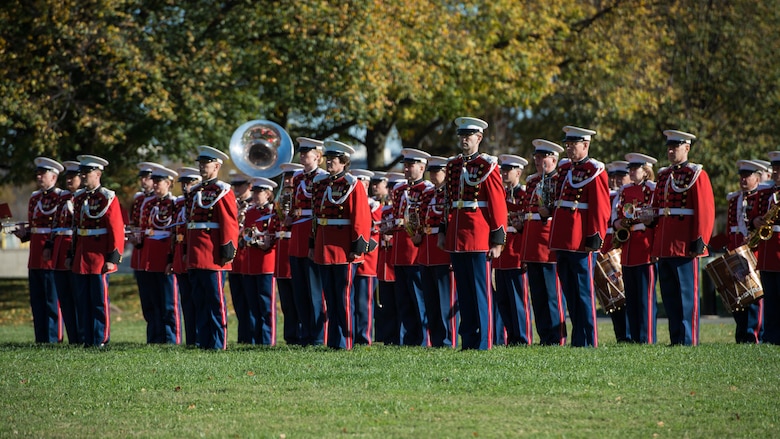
162 308
365 276
41 212
406 211
98 245
639 272
307 285
768 265
340 238
475 230
617 173
177 260
62 234
212 237
135 233
243 193
513 318
386 319
745 205
438 281
546 296
578 229
686 209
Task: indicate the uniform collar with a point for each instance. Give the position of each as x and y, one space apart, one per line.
471 157
581 162
337 176
680 166
416 182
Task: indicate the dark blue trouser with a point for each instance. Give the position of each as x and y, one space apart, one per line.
187 308
510 297
386 321
240 307
474 299
575 271
291 331
340 299
261 304
641 304
411 306
66 293
548 303
441 304
364 309
47 322
770 280
679 279
94 308
307 290
208 296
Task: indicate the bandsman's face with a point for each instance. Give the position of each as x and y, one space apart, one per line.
577 150
469 144
73 182
510 175
161 186
678 153
146 183
545 163
437 176
379 188
334 165
208 169
749 180
45 179
310 158
414 171
637 174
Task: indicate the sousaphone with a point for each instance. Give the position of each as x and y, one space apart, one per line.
259 147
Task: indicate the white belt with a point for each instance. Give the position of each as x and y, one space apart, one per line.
533 217
205 225
610 231
511 229
776 229
733 229
62 231
460 204
157 234
431 230
92 232
637 227
40 230
675 211
572 204
333 222
399 222
305 212
283 235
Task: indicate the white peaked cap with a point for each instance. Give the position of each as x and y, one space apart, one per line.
49 164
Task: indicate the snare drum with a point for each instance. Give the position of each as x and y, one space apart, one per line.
608 277
736 278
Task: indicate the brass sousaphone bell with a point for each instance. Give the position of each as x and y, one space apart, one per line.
259 147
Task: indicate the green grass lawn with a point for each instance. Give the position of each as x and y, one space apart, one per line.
718 389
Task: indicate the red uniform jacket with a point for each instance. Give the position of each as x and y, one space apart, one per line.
301 212
613 200
62 232
370 259
135 227
686 209
432 206
178 243
743 206
511 257
340 206
536 230
157 217
239 262
769 251
257 227
100 230
582 209
212 228
282 235
636 251
41 214
385 272
406 204
475 198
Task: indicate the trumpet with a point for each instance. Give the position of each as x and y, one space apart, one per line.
764 232
412 220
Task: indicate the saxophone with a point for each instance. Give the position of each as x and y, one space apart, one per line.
764 232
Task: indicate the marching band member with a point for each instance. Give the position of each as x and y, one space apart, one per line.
307 285
177 260
549 305
474 232
745 205
98 244
282 274
686 209
579 226
639 272
386 320
340 238
243 193
406 211
62 233
617 174
768 264
134 232
259 257
438 281
212 237
365 276
41 211
161 307
510 293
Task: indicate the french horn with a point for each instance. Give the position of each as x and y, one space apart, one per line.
259 147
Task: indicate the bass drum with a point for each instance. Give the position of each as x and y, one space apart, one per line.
736 278
608 277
